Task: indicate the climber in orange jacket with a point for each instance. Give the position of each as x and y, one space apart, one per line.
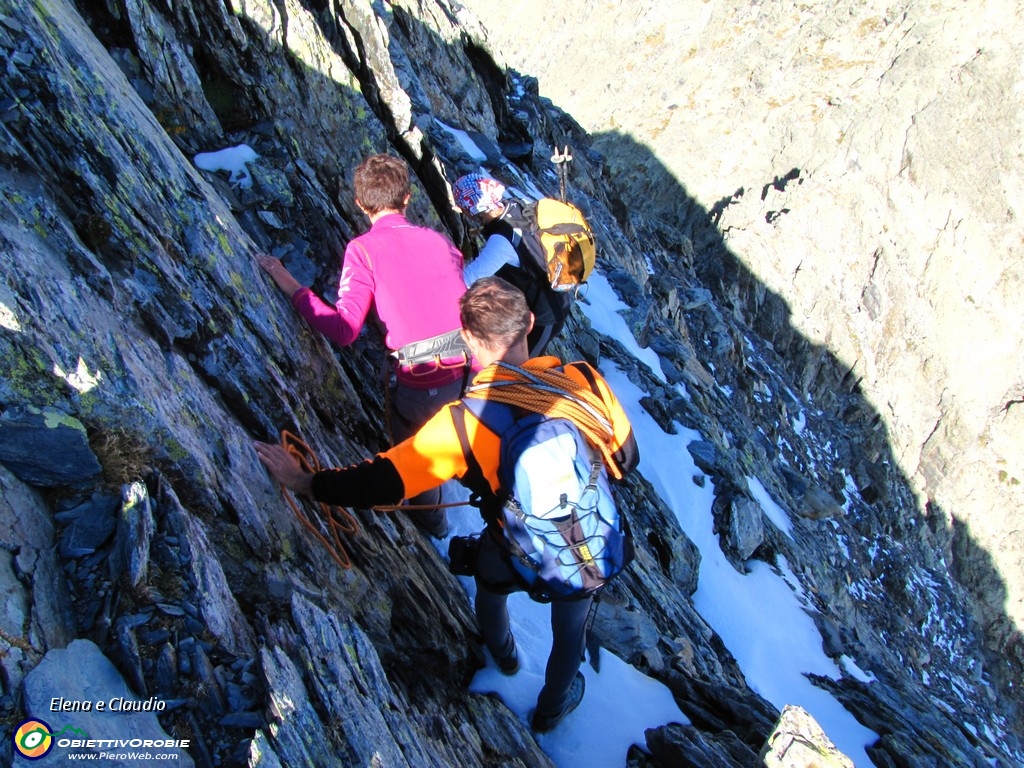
495 323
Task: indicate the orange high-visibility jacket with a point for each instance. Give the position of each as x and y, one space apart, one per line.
434 454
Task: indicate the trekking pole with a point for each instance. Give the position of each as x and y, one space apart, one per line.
561 162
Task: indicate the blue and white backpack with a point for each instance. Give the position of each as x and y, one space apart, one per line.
555 514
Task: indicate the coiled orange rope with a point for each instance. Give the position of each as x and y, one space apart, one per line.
338 520
554 394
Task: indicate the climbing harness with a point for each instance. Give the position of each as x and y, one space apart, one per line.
444 351
337 519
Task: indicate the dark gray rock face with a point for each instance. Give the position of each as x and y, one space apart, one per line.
46 447
131 303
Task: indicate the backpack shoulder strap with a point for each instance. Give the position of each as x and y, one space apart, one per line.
503 228
588 373
509 225
518 225
496 417
474 477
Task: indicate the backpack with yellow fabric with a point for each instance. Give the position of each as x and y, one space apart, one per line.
555 244
559 240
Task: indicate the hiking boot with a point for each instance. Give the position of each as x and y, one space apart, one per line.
508 665
544 723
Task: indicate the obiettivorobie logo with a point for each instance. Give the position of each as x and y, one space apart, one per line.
34 738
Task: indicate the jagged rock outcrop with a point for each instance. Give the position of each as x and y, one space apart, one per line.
799 741
133 313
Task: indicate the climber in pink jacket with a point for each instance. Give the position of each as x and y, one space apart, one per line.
412 276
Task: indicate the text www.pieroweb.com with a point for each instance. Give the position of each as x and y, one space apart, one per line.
124 756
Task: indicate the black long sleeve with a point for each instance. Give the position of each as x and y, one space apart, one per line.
364 485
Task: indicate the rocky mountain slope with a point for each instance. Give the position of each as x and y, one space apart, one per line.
144 547
862 162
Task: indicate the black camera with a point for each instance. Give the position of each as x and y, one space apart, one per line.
462 555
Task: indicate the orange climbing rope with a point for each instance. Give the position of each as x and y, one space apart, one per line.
554 394
338 520
416 507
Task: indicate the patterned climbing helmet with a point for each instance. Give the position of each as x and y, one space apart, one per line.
475 193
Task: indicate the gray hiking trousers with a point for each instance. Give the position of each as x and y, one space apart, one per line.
494 583
410 410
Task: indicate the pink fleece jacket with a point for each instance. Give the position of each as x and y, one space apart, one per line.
412 275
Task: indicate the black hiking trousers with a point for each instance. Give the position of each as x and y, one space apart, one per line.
494 582
410 410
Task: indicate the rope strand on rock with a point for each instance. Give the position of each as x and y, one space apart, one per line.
416 507
337 519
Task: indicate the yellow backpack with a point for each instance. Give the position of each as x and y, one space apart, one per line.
567 243
558 239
